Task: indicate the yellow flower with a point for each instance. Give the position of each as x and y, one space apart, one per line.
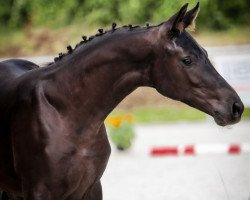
114 121
117 120
129 118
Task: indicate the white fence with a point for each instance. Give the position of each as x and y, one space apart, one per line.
233 63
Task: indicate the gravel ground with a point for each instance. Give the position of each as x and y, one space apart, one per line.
135 175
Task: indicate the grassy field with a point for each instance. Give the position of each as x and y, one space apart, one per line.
167 114
161 114
155 108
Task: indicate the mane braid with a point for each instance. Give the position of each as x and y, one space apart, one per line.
101 32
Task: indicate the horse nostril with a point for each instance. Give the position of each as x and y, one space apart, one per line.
237 110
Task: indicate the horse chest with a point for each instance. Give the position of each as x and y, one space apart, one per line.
82 173
83 168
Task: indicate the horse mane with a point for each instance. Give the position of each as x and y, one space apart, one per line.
100 33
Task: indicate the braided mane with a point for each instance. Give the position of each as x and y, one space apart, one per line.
101 32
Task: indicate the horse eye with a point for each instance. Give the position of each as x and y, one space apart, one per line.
187 60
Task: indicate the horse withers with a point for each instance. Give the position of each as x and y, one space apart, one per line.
53 143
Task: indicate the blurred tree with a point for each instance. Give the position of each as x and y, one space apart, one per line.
5 13
223 14
216 14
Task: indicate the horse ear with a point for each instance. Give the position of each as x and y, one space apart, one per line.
176 21
190 17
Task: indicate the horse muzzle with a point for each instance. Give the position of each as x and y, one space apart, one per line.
231 116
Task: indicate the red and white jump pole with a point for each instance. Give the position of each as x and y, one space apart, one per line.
200 149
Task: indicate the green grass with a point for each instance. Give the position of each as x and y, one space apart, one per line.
168 114
246 113
163 114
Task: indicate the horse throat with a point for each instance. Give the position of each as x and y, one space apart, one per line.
114 83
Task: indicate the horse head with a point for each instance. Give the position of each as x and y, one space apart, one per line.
183 71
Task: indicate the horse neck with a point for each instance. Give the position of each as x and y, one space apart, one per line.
95 84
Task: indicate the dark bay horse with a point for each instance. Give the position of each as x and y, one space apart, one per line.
53 143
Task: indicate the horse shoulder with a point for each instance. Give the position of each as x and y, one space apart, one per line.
35 129
32 110
46 144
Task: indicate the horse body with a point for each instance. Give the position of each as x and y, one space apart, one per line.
63 133
53 140
28 140
10 70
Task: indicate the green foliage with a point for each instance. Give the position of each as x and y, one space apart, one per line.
221 15
121 130
122 136
216 14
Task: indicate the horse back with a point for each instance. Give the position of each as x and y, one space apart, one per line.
10 69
